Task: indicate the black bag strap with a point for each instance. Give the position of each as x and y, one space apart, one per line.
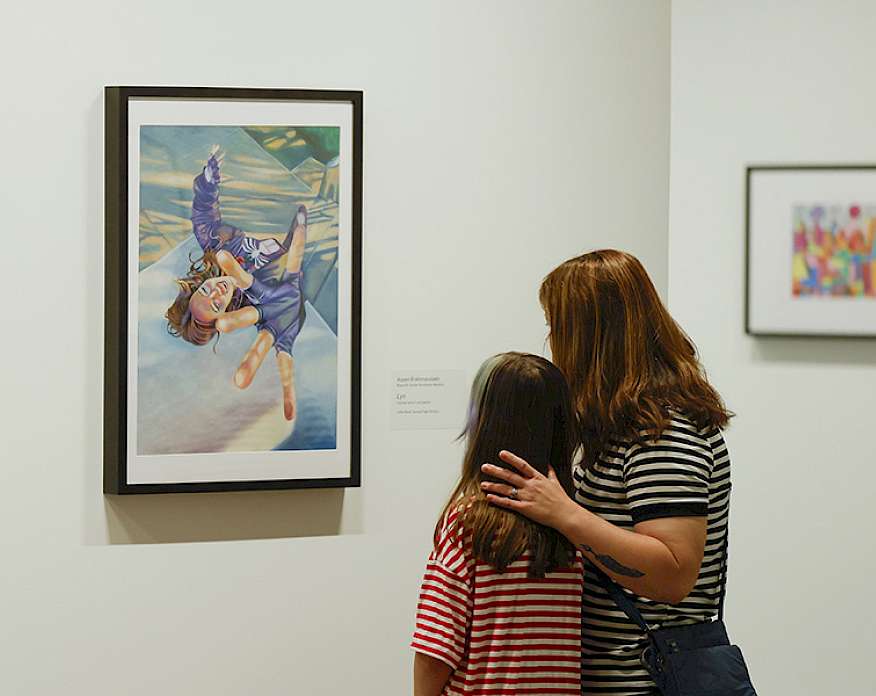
725 550
622 600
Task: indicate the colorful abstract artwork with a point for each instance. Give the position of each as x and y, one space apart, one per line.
833 250
240 330
811 250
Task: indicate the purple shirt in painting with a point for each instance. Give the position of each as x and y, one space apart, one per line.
213 234
280 304
279 301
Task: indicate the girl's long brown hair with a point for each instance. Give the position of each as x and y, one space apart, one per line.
628 363
521 403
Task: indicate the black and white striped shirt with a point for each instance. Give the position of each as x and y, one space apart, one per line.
686 472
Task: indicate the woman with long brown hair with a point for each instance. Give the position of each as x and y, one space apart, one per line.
652 486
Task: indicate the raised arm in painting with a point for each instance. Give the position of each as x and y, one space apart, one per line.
206 219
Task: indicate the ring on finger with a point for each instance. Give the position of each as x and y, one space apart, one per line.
514 493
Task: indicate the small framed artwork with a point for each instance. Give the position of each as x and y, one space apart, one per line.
811 257
233 289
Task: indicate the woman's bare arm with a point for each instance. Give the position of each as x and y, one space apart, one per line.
659 559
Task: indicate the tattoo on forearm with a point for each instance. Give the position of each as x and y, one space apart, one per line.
612 564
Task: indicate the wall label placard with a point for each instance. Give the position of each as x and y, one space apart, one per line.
428 399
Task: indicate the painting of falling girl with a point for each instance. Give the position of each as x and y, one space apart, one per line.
230 287
248 268
232 304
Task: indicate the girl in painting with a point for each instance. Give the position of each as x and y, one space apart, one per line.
235 285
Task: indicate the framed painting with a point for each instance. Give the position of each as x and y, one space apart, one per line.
811 258
233 289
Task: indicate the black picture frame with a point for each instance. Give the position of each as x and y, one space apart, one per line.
750 170
117 100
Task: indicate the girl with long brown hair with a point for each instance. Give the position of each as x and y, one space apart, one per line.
500 604
652 484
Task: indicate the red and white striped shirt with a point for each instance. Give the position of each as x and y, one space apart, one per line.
502 633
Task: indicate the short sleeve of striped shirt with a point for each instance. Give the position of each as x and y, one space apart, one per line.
669 477
445 604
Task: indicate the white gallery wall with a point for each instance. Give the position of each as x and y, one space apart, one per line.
756 82
500 138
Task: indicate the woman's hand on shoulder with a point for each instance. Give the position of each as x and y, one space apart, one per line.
527 491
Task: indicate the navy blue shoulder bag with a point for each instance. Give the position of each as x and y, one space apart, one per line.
692 660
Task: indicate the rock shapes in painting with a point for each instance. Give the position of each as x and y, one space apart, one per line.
328 191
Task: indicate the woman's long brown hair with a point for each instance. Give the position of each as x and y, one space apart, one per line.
628 363
519 402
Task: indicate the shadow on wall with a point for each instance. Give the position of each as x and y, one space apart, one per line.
194 517
815 351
